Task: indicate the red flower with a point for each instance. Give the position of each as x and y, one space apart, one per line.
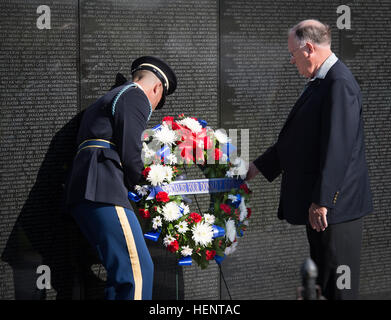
210 254
195 217
144 213
175 126
245 188
162 197
218 154
168 119
225 207
248 213
173 246
146 172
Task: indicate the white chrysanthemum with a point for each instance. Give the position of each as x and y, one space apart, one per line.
243 210
165 135
186 251
182 227
231 249
168 239
168 173
148 153
142 191
157 174
172 159
185 208
171 211
230 230
156 222
232 197
202 233
208 218
241 167
230 173
221 136
192 124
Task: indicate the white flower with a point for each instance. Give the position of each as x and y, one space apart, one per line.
230 230
243 210
148 153
172 159
165 135
142 191
192 124
171 211
231 249
241 167
232 197
221 136
202 233
185 208
230 173
168 173
182 227
168 239
157 222
186 251
208 218
157 174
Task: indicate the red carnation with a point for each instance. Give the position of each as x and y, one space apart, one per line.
144 213
175 126
218 154
210 254
225 207
173 246
245 188
195 217
146 172
162 197
168 119
248 213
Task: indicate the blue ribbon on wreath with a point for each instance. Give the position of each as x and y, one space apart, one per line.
134 196
152 235
218 231
236 202
185 261
153 192
219 259
163 152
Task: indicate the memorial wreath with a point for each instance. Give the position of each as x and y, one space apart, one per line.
162 200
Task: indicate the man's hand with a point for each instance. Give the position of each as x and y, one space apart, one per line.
252 171
317 217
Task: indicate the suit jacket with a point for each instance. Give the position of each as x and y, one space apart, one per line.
320 152
106 175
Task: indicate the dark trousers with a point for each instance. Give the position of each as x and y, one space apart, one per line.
336 253
116 234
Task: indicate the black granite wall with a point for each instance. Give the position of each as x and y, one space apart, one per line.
232 63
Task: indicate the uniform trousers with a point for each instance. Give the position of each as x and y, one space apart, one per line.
336 253
116 235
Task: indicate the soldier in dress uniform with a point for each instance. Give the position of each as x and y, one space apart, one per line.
107 164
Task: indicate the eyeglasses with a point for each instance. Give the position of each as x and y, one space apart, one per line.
292 53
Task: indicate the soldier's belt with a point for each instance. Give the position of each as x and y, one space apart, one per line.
96 143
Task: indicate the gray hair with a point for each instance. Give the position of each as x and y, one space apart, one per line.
312 31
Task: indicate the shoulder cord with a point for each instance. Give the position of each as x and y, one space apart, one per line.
132 85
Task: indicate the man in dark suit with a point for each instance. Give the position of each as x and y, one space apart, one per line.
108 163
320 154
